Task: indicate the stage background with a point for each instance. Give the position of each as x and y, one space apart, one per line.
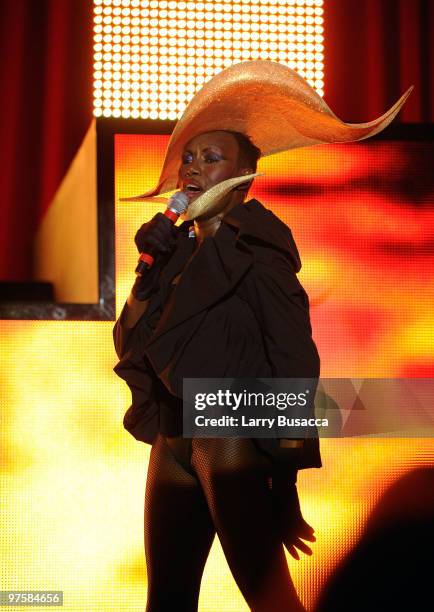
373 51
73 480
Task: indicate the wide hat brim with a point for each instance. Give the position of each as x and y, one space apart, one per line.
270 103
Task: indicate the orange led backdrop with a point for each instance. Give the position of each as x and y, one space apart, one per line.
73 480
362 216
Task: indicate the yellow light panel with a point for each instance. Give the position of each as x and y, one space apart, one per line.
152 41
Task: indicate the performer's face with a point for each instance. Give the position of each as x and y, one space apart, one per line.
208 159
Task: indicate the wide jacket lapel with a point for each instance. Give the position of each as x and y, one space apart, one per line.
214 269
254 220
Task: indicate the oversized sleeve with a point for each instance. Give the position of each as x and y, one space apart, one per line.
281 306
142 417
121 333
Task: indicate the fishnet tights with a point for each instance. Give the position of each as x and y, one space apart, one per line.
201 487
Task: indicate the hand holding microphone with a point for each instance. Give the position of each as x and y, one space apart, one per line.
155 240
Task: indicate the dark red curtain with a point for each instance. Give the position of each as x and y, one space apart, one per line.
46 107
374 50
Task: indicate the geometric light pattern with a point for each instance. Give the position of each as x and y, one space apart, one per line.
72 480
364 238
151 56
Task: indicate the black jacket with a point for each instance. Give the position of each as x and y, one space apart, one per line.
237 311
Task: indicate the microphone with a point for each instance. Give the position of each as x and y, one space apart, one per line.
177 204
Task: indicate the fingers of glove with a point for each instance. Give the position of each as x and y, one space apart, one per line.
296 531
305 531
292 551
291 547
158 233
166 223
147 235
302 546
154 243
164 227
140 240
306 535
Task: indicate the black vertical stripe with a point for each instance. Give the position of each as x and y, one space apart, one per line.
389 64
424 60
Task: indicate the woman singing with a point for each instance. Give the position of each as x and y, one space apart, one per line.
222 300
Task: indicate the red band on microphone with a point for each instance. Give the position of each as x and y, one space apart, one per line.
171 215
148 259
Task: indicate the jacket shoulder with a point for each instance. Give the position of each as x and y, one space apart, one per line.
264 232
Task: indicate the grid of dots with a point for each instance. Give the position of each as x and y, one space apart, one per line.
322 186
72 479
151 56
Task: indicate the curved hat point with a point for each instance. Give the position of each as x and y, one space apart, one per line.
144 198
151 194
377 125
209 201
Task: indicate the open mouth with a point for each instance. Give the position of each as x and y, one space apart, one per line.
192 189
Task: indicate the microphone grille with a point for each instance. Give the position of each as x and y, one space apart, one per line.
178 202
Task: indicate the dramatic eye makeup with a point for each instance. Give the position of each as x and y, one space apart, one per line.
212 157
209 155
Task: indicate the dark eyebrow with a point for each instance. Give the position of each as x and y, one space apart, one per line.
206 149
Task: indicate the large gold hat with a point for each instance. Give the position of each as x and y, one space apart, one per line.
268 102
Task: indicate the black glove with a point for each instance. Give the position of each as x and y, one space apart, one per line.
286 506
158 238
157 235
